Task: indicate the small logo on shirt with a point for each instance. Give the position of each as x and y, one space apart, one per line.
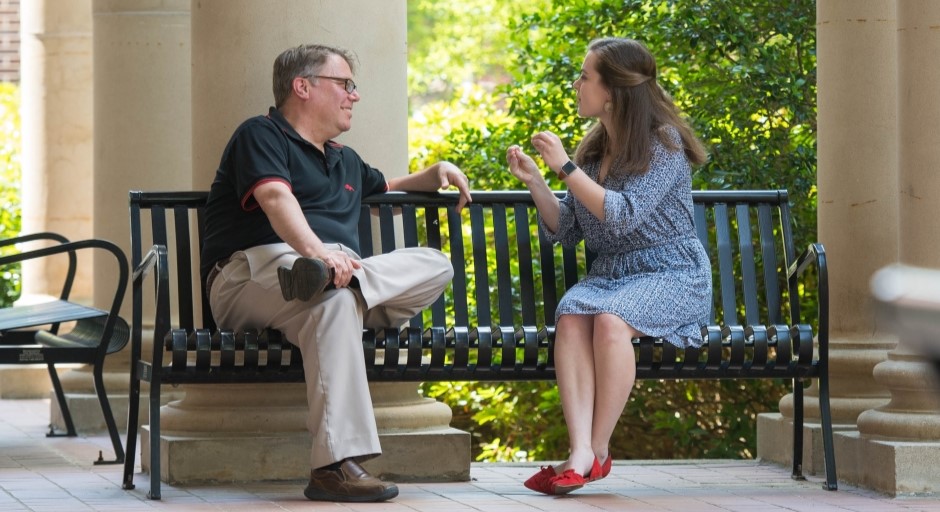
349 187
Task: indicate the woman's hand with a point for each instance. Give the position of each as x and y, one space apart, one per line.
549 147
522 166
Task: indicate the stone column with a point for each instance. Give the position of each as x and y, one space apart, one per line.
142 142
57 178
857 219
56 115
904 434
234 46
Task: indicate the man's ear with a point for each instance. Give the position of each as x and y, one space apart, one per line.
301 87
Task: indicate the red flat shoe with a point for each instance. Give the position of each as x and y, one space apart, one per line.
604 470
541 481
570 480
566 482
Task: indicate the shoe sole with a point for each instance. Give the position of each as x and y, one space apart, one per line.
559 490
306 280
318 495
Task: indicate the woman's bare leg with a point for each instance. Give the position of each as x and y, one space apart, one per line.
614 373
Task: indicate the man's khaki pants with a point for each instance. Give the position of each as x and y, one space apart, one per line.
391 289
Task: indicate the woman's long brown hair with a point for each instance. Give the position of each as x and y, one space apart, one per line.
641 109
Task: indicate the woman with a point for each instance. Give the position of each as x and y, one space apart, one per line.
629 198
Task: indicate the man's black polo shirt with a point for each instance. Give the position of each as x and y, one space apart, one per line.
328 187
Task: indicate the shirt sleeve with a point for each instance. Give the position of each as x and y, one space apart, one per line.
569 229
259 154
373 181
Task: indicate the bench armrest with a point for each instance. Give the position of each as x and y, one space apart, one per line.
73 261
155 262
70 248
813 256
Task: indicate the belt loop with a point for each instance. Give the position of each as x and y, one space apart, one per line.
214 272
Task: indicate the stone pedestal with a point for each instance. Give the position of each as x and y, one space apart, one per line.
257 432
25 381
775 443
903 436
852 391
85 408
900 467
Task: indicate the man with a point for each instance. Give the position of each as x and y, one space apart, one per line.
281 247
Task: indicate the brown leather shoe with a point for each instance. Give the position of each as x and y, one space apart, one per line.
348 483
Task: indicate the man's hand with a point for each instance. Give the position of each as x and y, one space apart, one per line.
441 175
342 264
451 176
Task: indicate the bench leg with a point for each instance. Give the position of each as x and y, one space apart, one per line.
797 473
154 493
108 416
133 413
63 405
825 416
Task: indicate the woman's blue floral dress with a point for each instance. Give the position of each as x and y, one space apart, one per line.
651 270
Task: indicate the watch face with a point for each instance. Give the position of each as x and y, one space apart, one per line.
566 169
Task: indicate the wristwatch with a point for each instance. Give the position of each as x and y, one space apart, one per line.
567 169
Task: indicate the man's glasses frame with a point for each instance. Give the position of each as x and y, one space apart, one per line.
348 83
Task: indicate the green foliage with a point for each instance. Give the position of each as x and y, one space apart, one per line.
744 74
9 186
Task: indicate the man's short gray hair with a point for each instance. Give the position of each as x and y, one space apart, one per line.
305 60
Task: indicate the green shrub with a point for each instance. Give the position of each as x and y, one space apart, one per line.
9 186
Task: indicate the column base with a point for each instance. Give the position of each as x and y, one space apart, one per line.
86 411
775 443
438 455
25 381
902 468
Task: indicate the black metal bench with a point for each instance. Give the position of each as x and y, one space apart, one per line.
94 332
496 321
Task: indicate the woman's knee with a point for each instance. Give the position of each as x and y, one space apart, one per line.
612 327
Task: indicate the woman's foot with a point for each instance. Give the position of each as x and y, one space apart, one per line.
605 468
571 480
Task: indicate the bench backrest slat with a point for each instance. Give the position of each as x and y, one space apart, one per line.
183 270
725 265
524 260
504 278
433 228
480 270
769 256
547 271
701 230
746 252
457 248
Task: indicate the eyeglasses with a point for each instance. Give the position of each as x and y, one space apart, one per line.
348 83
